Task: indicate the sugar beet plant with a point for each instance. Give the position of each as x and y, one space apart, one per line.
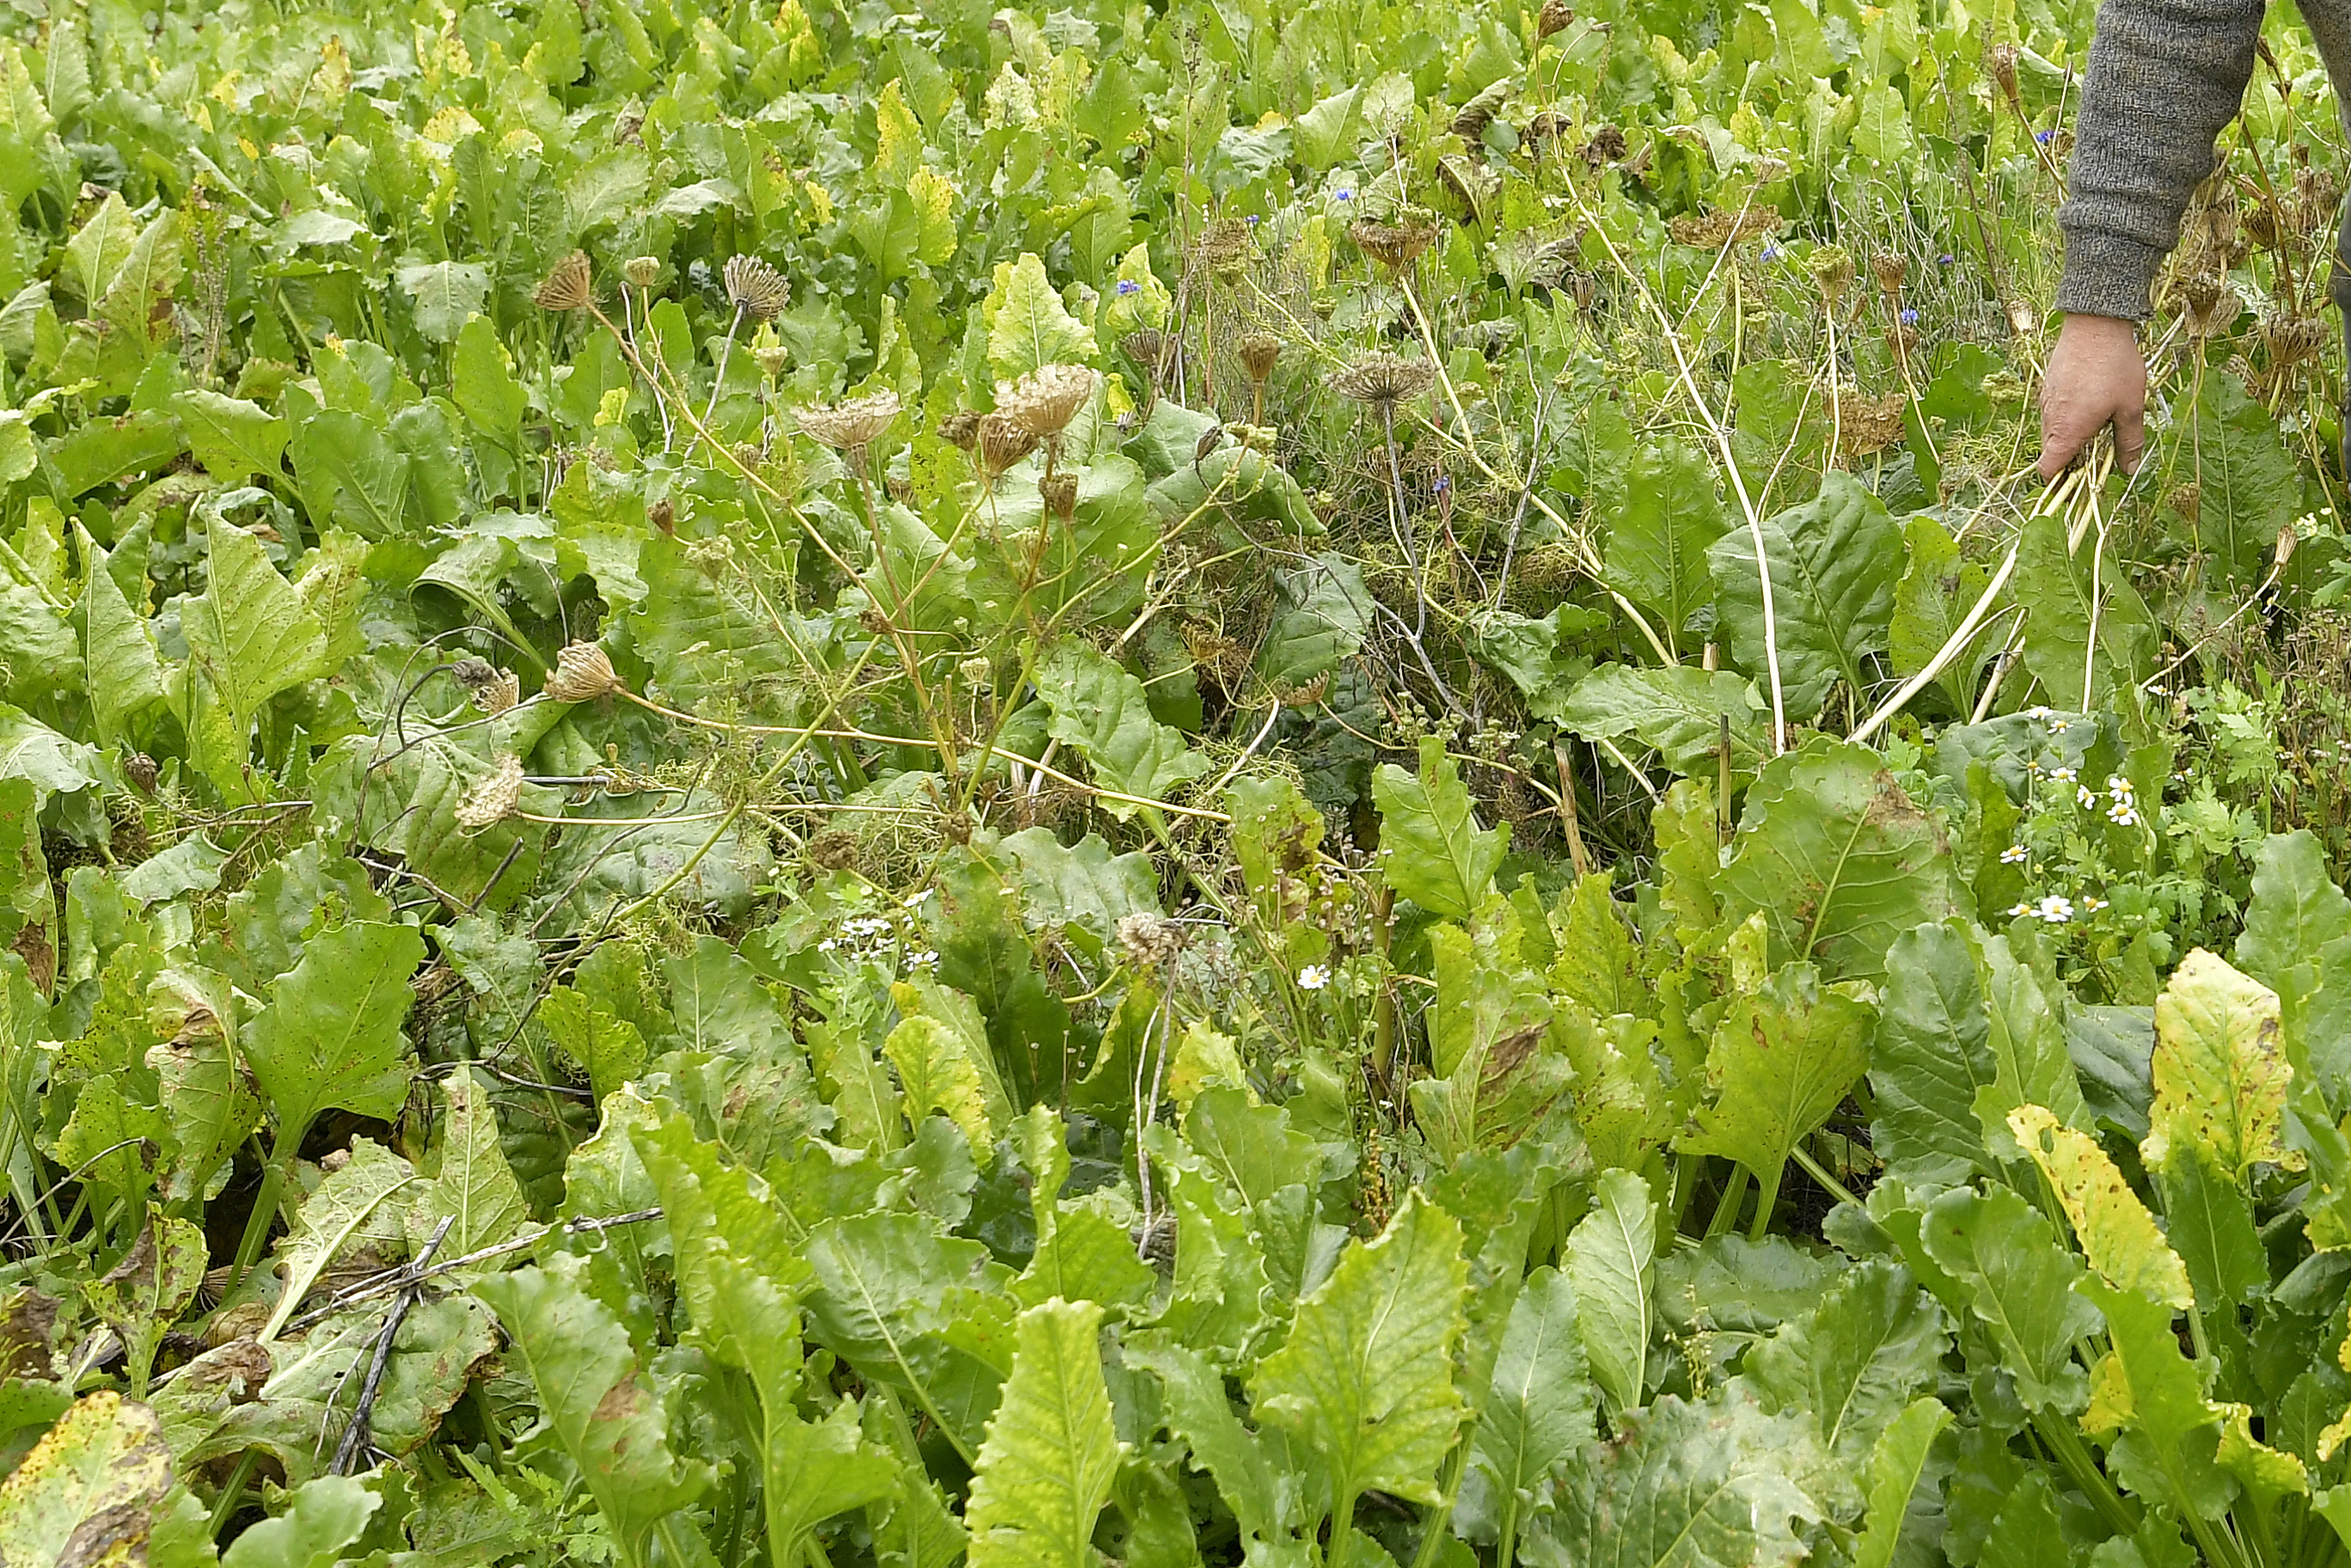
1293 786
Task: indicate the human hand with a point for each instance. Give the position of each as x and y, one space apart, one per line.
2096 376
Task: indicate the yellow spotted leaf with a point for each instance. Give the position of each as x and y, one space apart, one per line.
2219 1071
2117 1234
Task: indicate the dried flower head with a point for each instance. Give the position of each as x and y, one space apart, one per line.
1833 270
960 428
1554 17
1393 246
1889 268
2261 226
2209 305
2000 60
1150 940
641 271
1872 424
2293 339
757 289
143 772
1224 249
1384 379
1700 232
567 284
663 514
1002 442
847 426
1043 402
1145 348
1259 351
1607 146
1060 494
582 673
2187 500
496 798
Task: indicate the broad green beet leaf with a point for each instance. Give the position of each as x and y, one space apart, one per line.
1045 1470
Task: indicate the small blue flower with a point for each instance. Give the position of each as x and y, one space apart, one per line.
1910 318
2044 137
1128 286
1443 483
1945 259
1345 194
1771 253
1250 220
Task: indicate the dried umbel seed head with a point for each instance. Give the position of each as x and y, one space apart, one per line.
1003 441
2293 339
1393 246
2187 500
496 798
1833 270
1145 348
2209 305
566 286
2282 550
757 289
663 514
1872 424
1890 269
1259 351
2261 226
497 695
960 428
641 271
1060 494
2001 61
582 673
1150 940
1043 402
847 426
1554 17
771 358
1384 381
1224 249
975 673
1700 231
140 769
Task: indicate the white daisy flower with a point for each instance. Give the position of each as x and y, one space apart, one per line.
2015 854
1313 978
2055 908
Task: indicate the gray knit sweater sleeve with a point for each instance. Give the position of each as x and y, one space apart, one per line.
2165 76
